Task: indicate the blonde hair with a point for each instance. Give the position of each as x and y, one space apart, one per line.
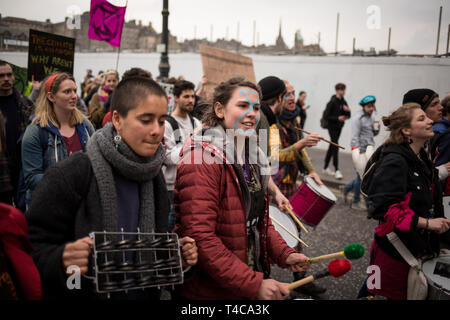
109 73
45 113
398 120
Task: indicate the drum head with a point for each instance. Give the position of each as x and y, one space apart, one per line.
322 190
438 271
287 222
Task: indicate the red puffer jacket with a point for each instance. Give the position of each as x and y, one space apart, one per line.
209 207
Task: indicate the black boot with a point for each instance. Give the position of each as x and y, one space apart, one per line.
309 289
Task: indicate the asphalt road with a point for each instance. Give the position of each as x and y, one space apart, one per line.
340 226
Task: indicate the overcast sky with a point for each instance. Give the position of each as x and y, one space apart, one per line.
414 23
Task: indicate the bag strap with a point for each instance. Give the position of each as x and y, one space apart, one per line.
175 127
404 252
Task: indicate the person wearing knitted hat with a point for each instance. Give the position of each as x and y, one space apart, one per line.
273 91
441 143
428 100
431 105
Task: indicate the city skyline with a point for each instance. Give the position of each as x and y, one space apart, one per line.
414 28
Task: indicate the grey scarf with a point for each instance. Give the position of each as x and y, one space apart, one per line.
124 161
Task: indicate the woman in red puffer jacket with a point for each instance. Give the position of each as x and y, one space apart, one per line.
221 201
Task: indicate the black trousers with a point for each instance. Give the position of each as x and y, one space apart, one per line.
333 151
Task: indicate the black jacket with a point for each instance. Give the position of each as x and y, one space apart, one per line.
335 109
400 172
271 117
65 206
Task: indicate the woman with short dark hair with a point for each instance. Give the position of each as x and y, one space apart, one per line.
116 185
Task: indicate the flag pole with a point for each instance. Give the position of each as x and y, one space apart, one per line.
120 43
118 55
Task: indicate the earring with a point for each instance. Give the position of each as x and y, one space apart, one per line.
117 139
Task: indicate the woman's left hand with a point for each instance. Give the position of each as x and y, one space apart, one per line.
295 258
316 178
282 201
189 250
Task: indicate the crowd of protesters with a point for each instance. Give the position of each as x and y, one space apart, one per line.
113 158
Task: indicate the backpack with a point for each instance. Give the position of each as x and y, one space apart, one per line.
176 127
21 187
324 120
371 167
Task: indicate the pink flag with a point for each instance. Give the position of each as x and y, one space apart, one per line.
106 22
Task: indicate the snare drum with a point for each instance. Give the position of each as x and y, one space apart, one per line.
311 201
286 221
437 272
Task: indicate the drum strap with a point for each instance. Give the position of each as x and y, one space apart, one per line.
404 252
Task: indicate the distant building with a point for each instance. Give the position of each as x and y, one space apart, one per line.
14 34
280 45
301 49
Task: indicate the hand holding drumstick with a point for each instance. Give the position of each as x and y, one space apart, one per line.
320 138
311 140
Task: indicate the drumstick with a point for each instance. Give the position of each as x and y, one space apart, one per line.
336 268
330 142
295 218
351 251
286 229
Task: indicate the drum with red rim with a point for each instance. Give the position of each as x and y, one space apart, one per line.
311 201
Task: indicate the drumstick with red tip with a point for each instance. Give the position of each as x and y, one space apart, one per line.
351 251
289 210
336 268
330 142
287 230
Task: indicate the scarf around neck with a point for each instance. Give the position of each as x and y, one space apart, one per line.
289 115
107 160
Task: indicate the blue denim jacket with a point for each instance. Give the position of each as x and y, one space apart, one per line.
35 161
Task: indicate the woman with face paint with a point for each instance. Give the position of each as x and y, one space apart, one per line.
221 201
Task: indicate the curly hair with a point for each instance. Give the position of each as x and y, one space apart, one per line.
400 119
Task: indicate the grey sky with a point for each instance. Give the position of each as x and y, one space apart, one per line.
414 22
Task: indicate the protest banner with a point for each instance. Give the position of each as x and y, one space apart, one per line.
20 78
168 88
220 65
49 53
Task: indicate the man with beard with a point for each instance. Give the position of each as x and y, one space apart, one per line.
178 125
15 112
293 159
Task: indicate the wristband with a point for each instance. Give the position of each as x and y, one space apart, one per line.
426 226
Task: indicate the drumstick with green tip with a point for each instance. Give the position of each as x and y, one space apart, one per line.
287 230
351 251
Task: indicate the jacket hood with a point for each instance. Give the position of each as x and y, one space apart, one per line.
220 143
404 150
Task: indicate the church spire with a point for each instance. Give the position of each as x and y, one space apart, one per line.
279 34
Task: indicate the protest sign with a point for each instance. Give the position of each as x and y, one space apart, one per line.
220 65
49 53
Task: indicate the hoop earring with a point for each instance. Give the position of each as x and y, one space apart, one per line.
117 140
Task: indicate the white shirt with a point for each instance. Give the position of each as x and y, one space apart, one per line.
173 149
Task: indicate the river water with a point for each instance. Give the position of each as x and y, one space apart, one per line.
388 78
